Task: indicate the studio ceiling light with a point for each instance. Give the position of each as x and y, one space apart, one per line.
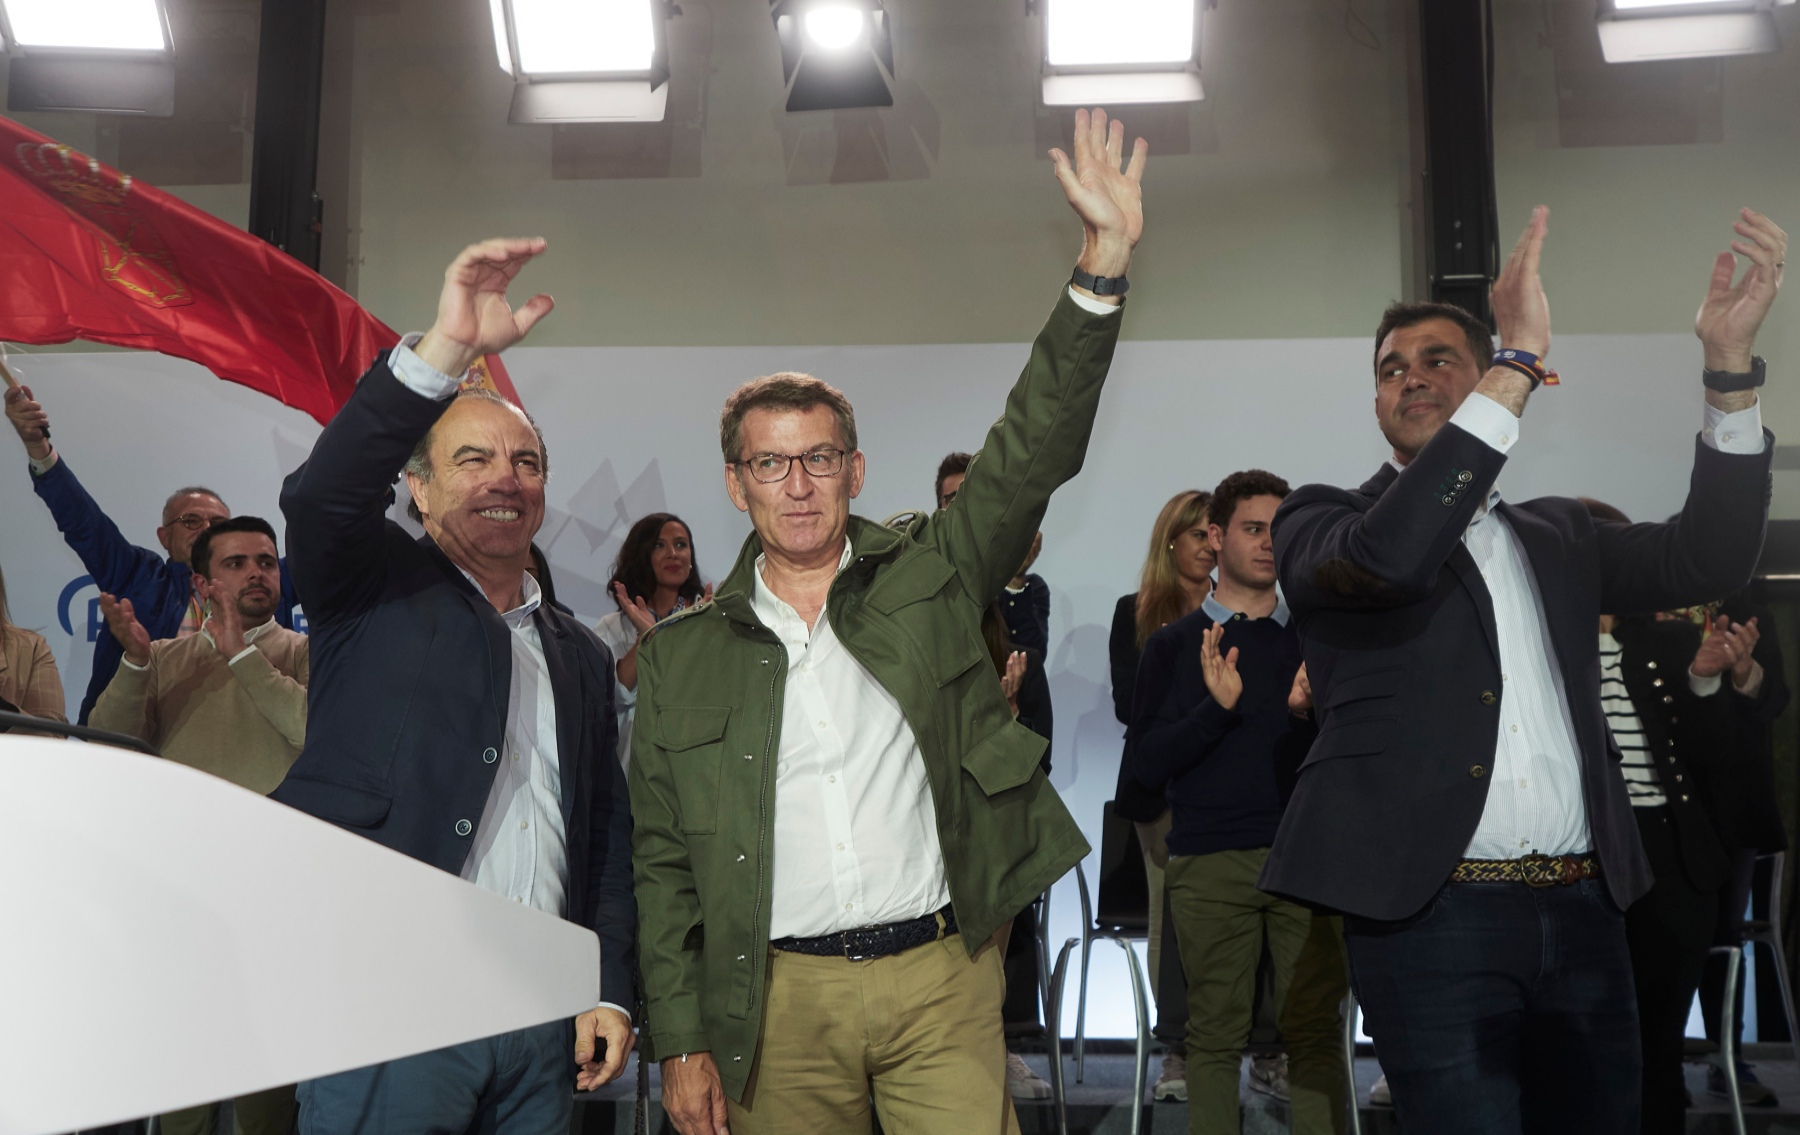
835 54
1120 51
105 56
584 60
1636 31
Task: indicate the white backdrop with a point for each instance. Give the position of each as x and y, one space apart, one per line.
634 430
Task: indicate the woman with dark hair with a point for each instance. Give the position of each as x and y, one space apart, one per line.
29 682
654 576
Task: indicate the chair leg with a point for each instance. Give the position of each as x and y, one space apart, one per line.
1773 941
1087 950
1053 1026
1350 1061
1728 1053
1140 1003
1059 982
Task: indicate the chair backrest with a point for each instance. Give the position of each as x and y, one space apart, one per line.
1123 902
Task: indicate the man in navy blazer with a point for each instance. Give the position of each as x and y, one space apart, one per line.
455 716
1460 805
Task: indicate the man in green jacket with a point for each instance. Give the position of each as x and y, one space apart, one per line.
835 813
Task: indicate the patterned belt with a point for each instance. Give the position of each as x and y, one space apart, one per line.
874 941
1532 870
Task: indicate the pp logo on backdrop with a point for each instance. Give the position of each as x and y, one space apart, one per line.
95 623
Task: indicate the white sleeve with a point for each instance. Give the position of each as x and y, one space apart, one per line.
1488 420
1738 432
418 375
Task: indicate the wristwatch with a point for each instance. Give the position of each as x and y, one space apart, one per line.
1100 285
1726 381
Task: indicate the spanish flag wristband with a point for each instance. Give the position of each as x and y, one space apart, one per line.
1528 365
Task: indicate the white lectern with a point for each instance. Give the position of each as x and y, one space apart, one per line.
167 938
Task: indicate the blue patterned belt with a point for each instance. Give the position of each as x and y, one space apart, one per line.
874 941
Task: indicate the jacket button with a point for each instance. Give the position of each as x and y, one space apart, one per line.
1465 476
1650 665
1677 778
1668 699
1657 682
464 827
749 756
489 756
1673 720
1477 771
1449 500
741 957
1488 698
740 859
1684 798
737 1059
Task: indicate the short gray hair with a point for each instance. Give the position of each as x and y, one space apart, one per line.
189 491
418 465
787 390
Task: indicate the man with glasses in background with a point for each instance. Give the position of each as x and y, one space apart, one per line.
835 812
159 585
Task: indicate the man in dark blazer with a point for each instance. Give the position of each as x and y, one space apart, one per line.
454 716
1460 805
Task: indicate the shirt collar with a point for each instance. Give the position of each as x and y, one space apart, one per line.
1220 613
768 604
531 593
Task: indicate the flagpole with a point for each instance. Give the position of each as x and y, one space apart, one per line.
13 384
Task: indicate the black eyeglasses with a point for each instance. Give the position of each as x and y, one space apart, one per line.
769 468
194 522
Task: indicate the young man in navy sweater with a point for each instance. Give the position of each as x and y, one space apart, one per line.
1222 718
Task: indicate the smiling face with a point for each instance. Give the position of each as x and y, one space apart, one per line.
485 497
243 570
1422 374
1194 556
1245 549
801 518
672 556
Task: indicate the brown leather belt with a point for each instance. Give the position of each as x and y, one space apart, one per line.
1532 870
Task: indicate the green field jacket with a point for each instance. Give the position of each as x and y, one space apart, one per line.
908 607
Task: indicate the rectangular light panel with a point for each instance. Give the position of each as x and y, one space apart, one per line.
1120 32
115 25
497 10
1688 37
1635 5
584 37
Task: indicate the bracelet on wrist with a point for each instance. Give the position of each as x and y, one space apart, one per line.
1100 285
1527 364
1727 382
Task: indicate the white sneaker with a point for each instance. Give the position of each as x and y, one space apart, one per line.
1171 1082
1269 1075
1022 1082
1380 1095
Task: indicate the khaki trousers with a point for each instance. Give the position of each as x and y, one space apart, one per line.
262 1113
1220 923
919 1032
1152 837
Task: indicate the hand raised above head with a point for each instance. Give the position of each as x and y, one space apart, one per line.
1521 310
28 417
1105 192
474 317
1732 313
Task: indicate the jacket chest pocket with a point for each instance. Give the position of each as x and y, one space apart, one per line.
912 597
693 737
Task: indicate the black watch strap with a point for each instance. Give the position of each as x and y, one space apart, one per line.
1726 381
1100 285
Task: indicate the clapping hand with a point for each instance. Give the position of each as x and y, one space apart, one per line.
1521 310
1724 647
1300 697
1106 193
1731 314
637 612
474 317
1013 679
122 621
223 621
1222 679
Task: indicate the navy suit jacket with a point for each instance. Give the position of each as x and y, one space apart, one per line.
411 672
1398 631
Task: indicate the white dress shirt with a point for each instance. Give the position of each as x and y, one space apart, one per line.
521 848
856 840
1534 801
619 635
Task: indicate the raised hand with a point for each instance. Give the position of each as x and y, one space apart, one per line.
637 612
223 622
1013 679
29 419
1300 696
1220 671
122 621
1521 310
1105 193
474 317
1731 314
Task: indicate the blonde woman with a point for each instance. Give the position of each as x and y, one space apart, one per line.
1176 579
29 682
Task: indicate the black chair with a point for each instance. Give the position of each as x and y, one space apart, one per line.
1121 916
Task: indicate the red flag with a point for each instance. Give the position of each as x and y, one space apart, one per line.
89 253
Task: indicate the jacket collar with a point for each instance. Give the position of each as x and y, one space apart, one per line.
734 597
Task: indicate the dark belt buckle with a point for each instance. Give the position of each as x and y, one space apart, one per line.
1541 870
865 939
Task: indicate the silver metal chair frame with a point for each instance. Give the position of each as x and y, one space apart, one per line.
1140 1000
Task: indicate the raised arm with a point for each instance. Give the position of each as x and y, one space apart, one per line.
1041 439
336 502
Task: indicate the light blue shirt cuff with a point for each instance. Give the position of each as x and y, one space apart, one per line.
1089 303
620 1009
1488 420
1740 432
417 375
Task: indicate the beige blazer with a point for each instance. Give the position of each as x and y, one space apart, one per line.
28 676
